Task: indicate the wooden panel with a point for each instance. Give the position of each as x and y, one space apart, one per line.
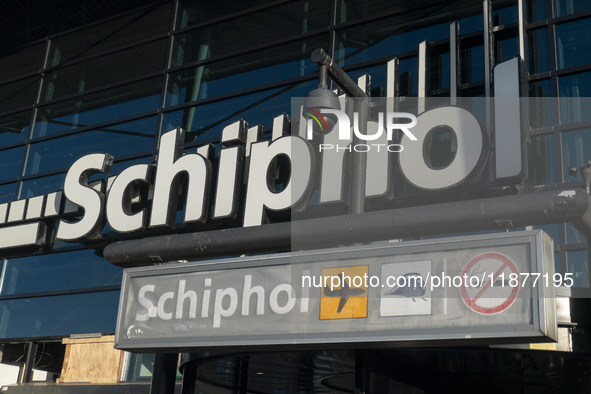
91 360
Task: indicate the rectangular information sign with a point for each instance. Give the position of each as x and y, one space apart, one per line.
485 289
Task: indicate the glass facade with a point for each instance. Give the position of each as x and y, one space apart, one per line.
116 85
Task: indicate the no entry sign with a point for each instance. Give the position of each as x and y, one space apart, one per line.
495 292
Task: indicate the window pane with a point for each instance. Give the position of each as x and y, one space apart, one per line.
409 80
384 38
573 43
140 367
104 70
536 10
59 315
541 109
207 121
566 7
25 60
504 12
118 140
378 78
58 271
19 94
506 49
579 267
99 107
108 35
553 230
243 72
575 92
15 128
576 149
8 192
350 10
542 161
472 64
192 12
41 186
439 71
539 53
251 30
573 236
11 162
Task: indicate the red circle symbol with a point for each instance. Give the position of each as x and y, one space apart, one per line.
494 293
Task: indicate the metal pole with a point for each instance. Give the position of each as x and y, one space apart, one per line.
360 372
327 65
27 374
321 58
493 213
164 373
189 379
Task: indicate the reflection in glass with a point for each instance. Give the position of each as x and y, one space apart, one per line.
140 367
573 236
105 70
15 128
18 94
59 315
400 33
41 186
541 103
576 149
192 12
541 160
25 60
506 49
358 44
11 162
574 92
573 43
243 72
258 28
536 10
132 99
207 121
8 192
58 271
504 12
553 230
113 33
579 267
439 71
409 79
539 53
118 140
566 7
472 64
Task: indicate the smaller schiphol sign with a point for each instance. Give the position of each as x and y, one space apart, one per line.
482 289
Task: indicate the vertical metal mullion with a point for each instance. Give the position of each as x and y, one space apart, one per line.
169 49
522 30
27 372
361 373
454 61
164 373
422 83
393 86
488 50
332 32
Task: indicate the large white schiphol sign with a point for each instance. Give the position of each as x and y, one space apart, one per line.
145 196
480 289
